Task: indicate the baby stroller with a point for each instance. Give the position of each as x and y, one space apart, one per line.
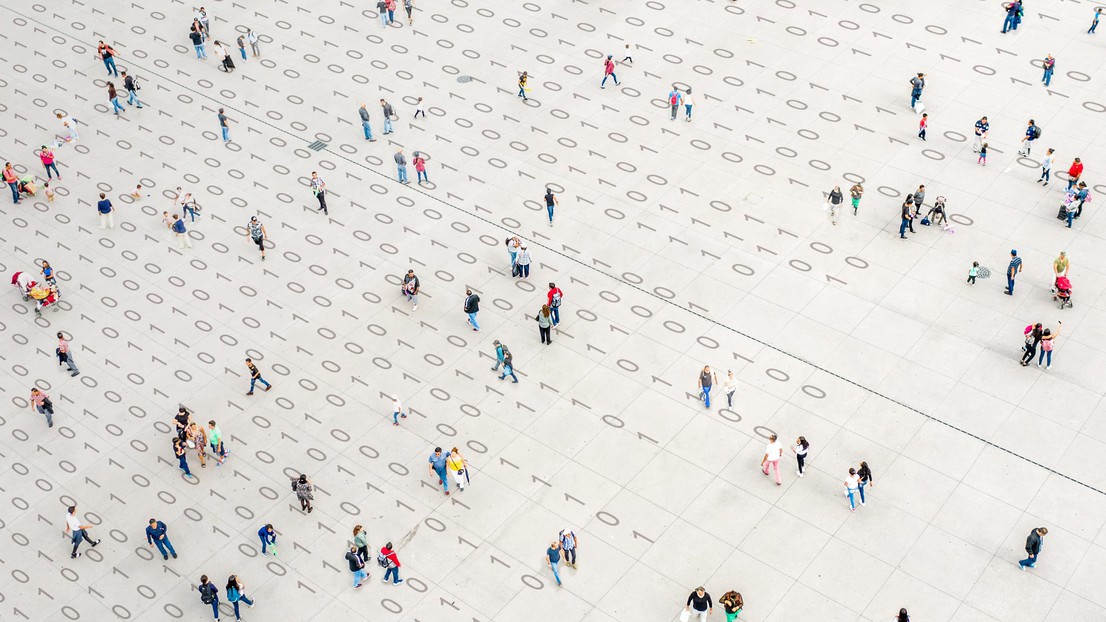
27 185
23 282
44 297
1062 291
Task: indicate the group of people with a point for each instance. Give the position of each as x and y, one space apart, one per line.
858 478
564 547
912 206
700 605
358 557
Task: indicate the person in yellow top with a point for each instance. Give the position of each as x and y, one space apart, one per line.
456 464
522 84
1061 265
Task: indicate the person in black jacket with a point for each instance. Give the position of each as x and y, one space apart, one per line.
866 478
472 307
1033 546
700 604
209 595
356 566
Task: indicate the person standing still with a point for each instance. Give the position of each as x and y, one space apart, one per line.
1075 171
397 410
389 112
545 324
197 38
917 83
366 126
472 307
255 377
224 127
550 202
181 232
80 532
419 163
241 41
1049 65
523 261
103 206
46 155
156 535
65 355
1032 133
1033 545
215 437
12 179
40 401
1046 168
707 378
553 299
411 289
772 453
252 39
318 188
855 192
553 560
982 126
907 214
800 450
700 604
180 450
1012 271
401 167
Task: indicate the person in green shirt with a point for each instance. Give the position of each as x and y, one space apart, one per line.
215 435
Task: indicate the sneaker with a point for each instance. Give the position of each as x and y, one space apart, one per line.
414 307
174 555
402 416
447 493
357 586
799 473
385 580
1022 566
861 504
75 374
395 423
165 557
75 555
95 543
398 581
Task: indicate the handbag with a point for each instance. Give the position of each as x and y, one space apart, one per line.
685 615
515 270
191 444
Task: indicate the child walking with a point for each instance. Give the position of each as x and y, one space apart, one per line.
982 155
973 272
922 126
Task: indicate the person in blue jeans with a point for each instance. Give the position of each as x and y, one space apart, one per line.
223 119
508 367
236 593
1094 23
550 203
1049 65
500 354
155 535
209 595
1011 21
268 538
865 475
1033 546
1012 271
356 566
437 467
108 56
255 377
392 560
363 111
707 378
113 97
401 167
181 452
553 560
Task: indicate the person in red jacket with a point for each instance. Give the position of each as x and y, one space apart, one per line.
555 295
1075 172
392 560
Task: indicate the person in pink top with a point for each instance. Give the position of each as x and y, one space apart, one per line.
420 167
41 402
65 356
47 156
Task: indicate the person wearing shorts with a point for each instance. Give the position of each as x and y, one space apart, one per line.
257 233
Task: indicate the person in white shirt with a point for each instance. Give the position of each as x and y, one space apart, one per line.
1046 168
729 386
397 410
800 449
688 103
852 487
772 453
73 525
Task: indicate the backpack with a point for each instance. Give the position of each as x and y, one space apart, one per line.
207 594
294 482
556 302
382 560
675 99
232 594
1036 132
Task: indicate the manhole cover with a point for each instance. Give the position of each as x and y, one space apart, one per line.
318 145
463 79
984 273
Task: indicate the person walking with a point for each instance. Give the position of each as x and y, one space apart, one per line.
357 567
268 537
65 355
852 486
675 97
420 167
180 450
500 353
508 367
1032 133
608 72
131 85
410 289
553 299
305 492
1012 271
12 179
155 535
523 261
197 37
188 206
855 192
236 593
729 387
689 101
982 126
361 543
773 451
550 203
389 112
113 97
107 54
834 199
46 155
1033 545
800 450
181 232
865 479
707 378
253 40
545 324
699 604
79 532
209 595
522 79
1094 21
438 467
471 308
318 188
1011 21
1048 340
196 437
409 6
401 167
397 410
224 125
366 126
731 603
390 562
1049 65
215 437
903 616
917 83
420 108
382 11
1061 265
457 465
569 543
1075 171
1033 334
40 401
1046 168
256 232
255 377
553 559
